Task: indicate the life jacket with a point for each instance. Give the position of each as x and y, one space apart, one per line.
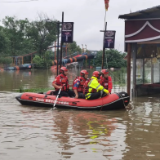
85 86
90 89
106 83
81 80
93 86
62 80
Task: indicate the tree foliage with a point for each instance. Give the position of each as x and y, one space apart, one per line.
20 37
5 60
38 61
73 48
113 58
42 33
15 34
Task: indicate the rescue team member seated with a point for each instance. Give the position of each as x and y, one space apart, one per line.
61 82
94 85
106 80
78 84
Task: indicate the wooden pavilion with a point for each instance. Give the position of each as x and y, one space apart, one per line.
142 43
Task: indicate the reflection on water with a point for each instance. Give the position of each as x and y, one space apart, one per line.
144 133
39 133
28 79
60 133
14 80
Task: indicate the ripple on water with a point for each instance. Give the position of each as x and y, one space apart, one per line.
73 134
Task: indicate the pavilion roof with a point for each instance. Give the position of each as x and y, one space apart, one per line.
153 12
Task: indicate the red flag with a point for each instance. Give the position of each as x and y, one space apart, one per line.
106 2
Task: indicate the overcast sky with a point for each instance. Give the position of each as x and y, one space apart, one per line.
87 15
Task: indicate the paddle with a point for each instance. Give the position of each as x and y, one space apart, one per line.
57 97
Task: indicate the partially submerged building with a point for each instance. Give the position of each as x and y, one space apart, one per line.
142 43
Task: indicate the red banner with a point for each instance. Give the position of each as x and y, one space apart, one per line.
106 2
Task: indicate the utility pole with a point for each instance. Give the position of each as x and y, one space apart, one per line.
103 54
57 45
61 40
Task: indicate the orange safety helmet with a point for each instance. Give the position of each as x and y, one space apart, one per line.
104 71
96 74
63 69
83 72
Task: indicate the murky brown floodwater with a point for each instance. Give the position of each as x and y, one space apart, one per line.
40 133
14 80
28 79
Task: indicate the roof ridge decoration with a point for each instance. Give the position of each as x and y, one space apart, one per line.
142 40
147 23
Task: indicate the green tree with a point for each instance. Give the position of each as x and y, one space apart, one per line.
43 34
19 37
113 58
49 57
3 41
73 47
15 33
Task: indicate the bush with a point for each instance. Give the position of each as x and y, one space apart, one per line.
38 61
5 60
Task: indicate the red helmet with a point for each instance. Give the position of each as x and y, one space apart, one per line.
96 74
83 72
104 71
63 69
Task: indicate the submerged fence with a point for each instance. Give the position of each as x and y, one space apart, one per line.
119 80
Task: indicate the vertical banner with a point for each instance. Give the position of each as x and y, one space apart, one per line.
106 2
67 32
109 39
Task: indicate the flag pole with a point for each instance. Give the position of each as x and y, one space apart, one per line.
105 27
104 17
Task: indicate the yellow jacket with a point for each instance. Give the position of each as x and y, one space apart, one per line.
94 84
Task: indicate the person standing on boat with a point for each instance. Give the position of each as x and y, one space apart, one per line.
78 84
61 82
95 89
106 80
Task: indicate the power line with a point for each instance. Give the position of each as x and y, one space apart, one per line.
18 1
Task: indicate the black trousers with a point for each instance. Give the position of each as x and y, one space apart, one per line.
95 95
81 95
68 93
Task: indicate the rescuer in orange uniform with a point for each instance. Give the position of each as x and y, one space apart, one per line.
106 80
61 82
78 84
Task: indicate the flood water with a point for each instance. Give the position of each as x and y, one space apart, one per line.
40 133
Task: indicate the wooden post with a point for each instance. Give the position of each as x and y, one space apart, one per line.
129 68
31 58
55 44
134 52
22 59
66 48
